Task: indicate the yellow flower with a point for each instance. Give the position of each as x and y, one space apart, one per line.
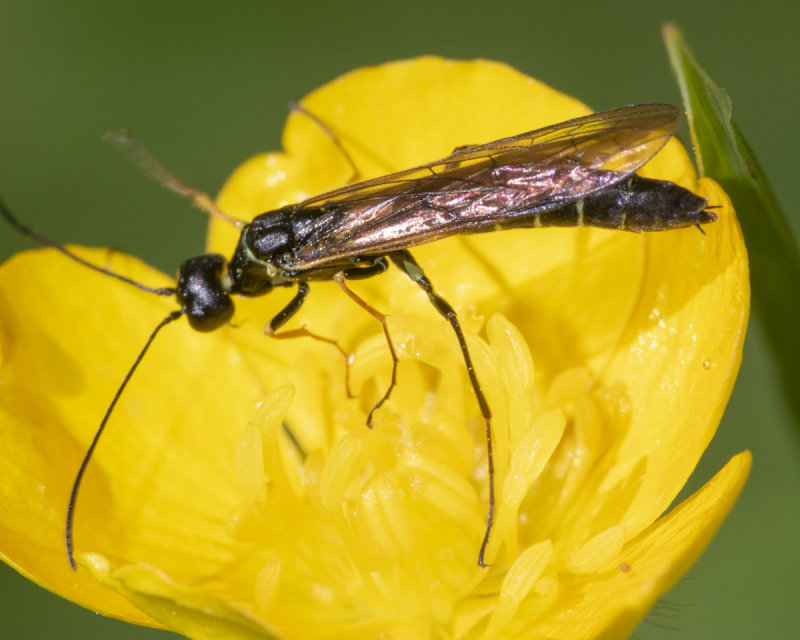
607 359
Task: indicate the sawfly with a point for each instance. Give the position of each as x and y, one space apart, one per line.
576 173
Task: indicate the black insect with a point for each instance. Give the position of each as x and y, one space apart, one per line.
576 173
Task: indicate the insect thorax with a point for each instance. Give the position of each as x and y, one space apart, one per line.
264 256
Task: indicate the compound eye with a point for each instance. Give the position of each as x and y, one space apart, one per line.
200 293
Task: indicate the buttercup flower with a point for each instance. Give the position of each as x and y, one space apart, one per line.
238 493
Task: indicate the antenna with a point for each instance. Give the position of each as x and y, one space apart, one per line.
73 496
29 233
127 144
166 291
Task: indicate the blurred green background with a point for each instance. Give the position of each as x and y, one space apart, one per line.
205 85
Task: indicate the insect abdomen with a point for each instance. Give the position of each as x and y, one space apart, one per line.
634 204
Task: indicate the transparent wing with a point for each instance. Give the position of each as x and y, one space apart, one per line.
486 186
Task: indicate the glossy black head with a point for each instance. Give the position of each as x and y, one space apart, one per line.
200 293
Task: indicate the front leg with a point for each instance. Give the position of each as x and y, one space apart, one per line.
285 314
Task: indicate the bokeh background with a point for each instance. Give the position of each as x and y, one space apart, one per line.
206 84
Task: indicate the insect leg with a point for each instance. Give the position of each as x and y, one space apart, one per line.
287 312
339 278
374 267
406 263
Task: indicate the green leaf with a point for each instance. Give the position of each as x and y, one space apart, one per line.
723 154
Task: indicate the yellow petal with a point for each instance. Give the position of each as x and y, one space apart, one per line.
68 336
682 343
610 603
192 611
